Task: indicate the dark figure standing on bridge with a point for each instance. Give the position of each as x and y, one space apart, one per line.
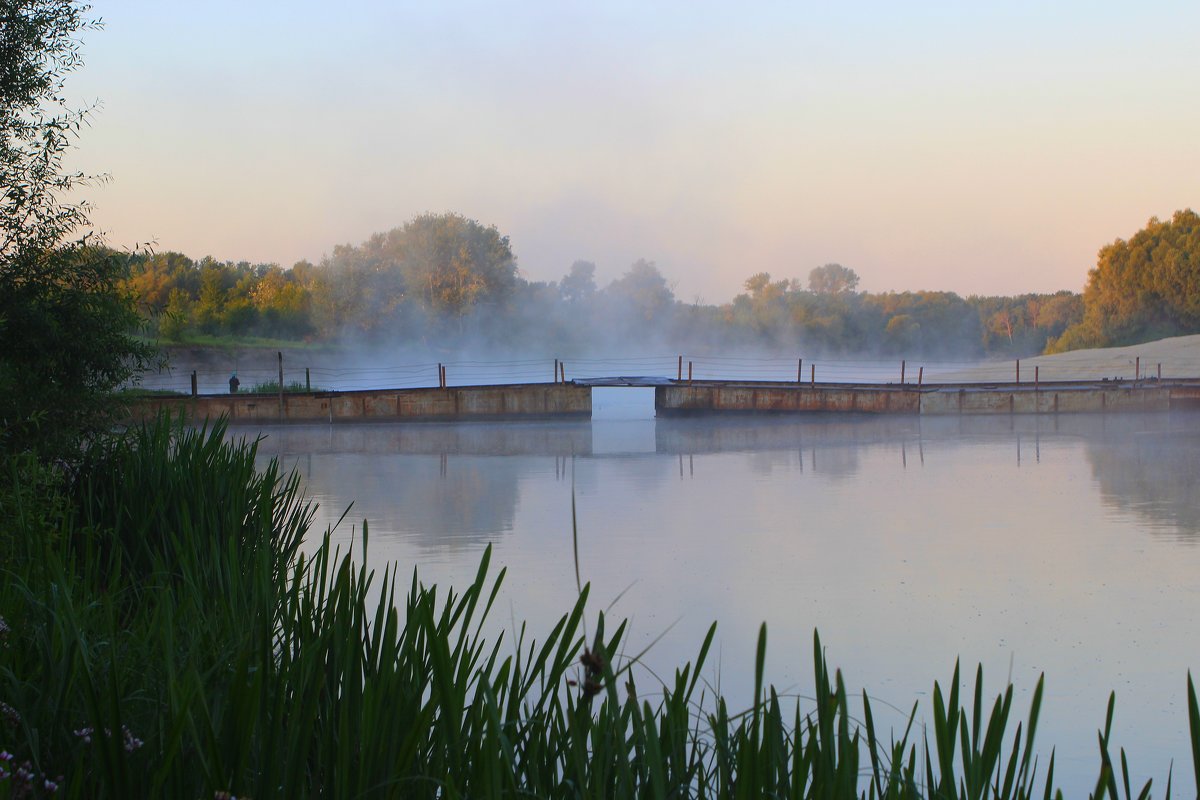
234 383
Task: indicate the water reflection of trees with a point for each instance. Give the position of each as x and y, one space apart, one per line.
1154 475
459 485
472 438
439 486
435 501
827 445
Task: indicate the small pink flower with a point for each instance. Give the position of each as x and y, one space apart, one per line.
9 714
131 742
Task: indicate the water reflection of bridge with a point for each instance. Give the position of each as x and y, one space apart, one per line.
468 477
696 434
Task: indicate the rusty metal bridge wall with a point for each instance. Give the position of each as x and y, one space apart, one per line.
715 397
574 401
504 402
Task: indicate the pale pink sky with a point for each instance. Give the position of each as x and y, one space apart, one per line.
979 148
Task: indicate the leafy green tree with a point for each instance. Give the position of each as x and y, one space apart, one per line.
434 267
453 263
154 276
210 306
642 291
767 305
175 317
579 285
65 323
1144 288
902 333
1057 314
832 279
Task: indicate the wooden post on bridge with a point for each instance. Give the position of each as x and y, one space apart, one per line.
556 370
562 371
1160 370
812 374
1137 368
280 354
194 392
307 380
439 375
689 373
920 376
1018 370
800 371
679 370
902 372
443 376
1036 378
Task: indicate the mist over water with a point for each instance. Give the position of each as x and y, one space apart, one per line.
1066 545
349 370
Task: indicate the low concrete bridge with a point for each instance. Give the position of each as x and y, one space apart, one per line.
677 398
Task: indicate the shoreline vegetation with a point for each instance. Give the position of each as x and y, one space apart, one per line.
314 676
446 281
163 633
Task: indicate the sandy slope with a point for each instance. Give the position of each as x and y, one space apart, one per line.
1179 357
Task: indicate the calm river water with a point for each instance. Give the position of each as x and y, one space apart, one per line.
1030 544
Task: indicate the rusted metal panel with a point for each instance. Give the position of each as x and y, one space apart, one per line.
682 398
776 400
1071 399
568 399
790 398
379 406
487 402
305 408
1184 397
344 406
572 400
730 398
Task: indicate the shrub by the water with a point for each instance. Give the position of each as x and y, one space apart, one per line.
163 634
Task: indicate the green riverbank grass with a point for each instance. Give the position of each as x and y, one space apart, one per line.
216 342
272 387
165 636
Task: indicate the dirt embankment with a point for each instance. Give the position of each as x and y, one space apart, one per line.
1179 357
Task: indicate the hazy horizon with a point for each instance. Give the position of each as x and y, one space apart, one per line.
986 149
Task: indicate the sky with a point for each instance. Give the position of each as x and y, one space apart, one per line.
980 147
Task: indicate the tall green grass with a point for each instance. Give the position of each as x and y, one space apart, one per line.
291 387
168 636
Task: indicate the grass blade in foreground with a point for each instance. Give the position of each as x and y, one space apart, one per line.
168 608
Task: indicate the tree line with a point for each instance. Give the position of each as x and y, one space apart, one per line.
445 280
1142 289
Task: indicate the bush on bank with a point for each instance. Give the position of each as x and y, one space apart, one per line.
163 634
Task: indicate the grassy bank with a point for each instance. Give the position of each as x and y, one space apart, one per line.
230 342
290 387
164 635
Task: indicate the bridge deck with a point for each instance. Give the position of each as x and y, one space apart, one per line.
573 400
